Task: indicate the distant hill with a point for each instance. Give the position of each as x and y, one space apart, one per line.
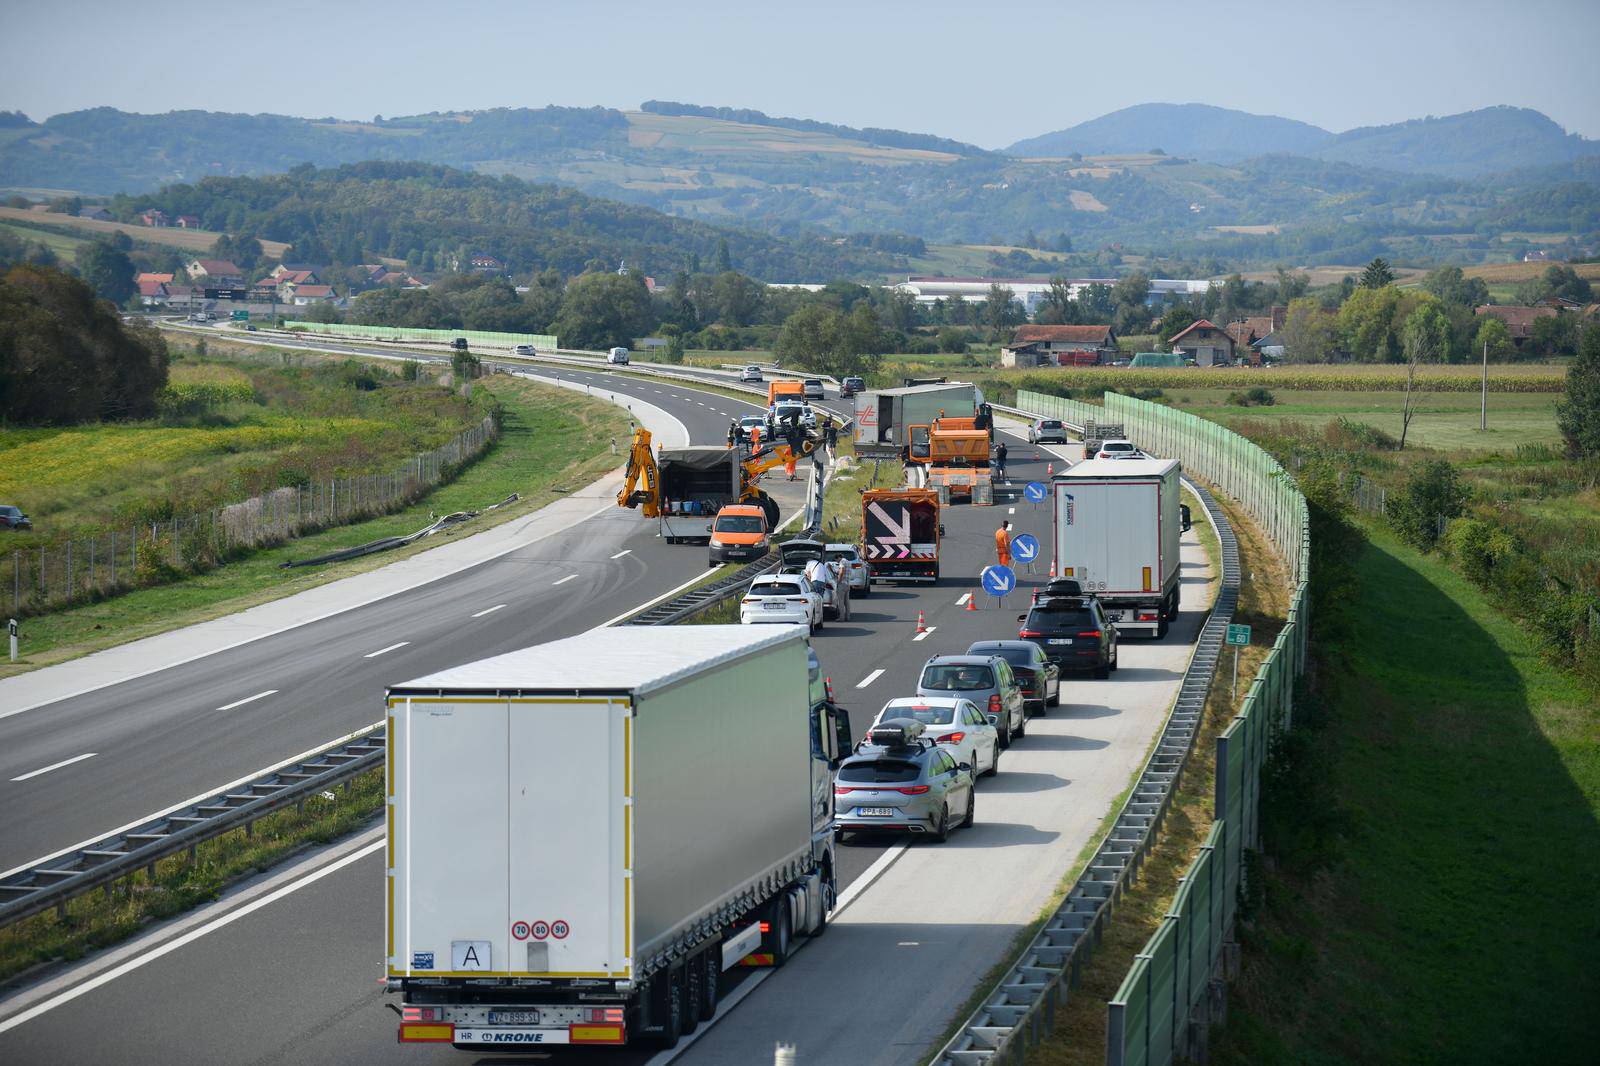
1468 145
869 135
1194 131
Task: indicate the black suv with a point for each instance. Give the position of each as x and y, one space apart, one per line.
1073 632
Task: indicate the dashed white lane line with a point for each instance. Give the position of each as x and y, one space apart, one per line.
247 699
563 581
55 766
869 679
924 634
621 553
385 651
489 610
965 596
1011 510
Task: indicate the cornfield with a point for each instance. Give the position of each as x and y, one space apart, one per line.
1342 378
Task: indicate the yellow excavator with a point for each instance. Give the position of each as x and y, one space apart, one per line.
685 487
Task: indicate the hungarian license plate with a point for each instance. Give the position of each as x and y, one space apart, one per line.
875 812
1061 640
772 606
513 1017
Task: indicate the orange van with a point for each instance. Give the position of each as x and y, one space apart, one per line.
739 534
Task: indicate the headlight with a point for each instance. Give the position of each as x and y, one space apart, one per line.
715 543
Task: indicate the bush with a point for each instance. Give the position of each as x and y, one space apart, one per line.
1255 397
464 365
1348 434
1433 492
1478 549
954 340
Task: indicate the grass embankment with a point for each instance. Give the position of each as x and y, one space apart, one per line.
552 440
98 919
1432 842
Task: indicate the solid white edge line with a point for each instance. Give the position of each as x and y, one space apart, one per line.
247 699
621 553
385 651
55 766
490 610
869 679
188 938
563 581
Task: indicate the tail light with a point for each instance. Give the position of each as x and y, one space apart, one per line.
911 790
827 685
794 599
1095 633
1029 633
952 738
604 1014
1147 616
994 703
421 1014
841 790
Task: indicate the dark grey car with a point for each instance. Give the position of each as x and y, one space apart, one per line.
13 518
1038 677
899 781
986 680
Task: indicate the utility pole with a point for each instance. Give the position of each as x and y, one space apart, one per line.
1483 403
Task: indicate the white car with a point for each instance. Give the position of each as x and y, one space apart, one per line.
1119 449
802 411
786 598
750 373
848 558
523 350
955 723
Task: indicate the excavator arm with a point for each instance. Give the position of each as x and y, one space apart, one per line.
642 471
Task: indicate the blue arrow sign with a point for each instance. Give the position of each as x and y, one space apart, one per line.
1025 546
1034 492
998 580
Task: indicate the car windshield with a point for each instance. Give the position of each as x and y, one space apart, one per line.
1116 446
1057 618
1014 656
958 677
774 588
879 772
1047 424
9 511
739 523
922 713
846 555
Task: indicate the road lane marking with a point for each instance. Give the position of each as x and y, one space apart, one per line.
489 610
924 634
965 596
1011 510
869 679
55 766
621 553
247 699
385 651
563 581
188 938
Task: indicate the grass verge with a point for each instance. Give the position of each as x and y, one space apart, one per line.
1433 851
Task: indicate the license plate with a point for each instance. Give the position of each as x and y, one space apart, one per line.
772 606
513 1017
875 812
479 1035
1061 640
1116 616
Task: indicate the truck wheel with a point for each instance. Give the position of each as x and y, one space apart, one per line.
782 931
693 994
710 963
666 1008
1161 628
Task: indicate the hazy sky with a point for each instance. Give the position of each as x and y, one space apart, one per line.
988 74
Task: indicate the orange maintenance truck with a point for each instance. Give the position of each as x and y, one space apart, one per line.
900 533
785 390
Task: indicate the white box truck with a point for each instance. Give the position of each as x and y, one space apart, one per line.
583 835
1117 526
882 416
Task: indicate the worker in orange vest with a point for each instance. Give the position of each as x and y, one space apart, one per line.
1002 543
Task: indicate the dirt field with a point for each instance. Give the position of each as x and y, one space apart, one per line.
194 240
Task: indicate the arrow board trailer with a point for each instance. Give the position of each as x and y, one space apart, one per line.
900 534
882 417
584 834
1116 534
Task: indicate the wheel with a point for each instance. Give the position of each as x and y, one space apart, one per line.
830 894
1102 672
972 805
1005 736
941 832
1161 628
822 620
1022 726
1054 701
710 982
994 763
782 931
693 994
1114 656
1172 608
666 1008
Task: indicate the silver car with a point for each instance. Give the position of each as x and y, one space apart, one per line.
1047 431
848 556
811 389
899 781
957 724
987 681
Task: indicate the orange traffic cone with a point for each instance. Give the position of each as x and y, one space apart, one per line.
921 626
1049 470
1052 569
972 602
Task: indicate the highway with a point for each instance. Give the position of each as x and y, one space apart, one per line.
290 969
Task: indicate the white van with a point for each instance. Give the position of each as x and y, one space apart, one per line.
618 356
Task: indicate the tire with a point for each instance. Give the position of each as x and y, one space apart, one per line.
1116 656
994 763
830 894
972 809
666 993
1005 737
1102 671
1022 726
942 833
866 590
693 994
782 931
1054 701
711 982
1161 628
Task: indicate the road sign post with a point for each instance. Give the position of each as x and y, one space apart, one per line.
1025 547
997 581
1238 636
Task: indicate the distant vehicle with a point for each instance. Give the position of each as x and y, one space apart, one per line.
851 386
786 598
1047 431
619 356
811 389
13 518
200 316
1074 632
458 343
750 373
1037 676
523 350
956 723
739 533
1119 449
848 558
901 781
778 390
986 680
749 423
802 412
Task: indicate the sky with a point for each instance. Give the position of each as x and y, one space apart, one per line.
986 75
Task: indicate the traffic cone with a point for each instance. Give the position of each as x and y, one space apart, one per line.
972 602
1049 470
1052 569
921 626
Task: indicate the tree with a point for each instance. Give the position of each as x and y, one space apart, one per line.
1555 334
1449 284
724 260
817 337
1177 318
1493 335
1096 305
604 311
736 298
1292 284
1000 311
1426 334
1310 334
1433 492
1377 274
1578 411
324 311
108 271
1057 308
1563 281
1132 290
243 250
1366 325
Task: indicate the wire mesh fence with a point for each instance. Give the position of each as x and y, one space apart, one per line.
78 569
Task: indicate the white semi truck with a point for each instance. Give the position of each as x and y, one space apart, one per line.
1117 525
882 418
583 835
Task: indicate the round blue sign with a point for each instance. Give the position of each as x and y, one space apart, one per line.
998 580
1034 491
1025 546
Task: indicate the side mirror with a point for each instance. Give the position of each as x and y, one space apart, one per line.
994 719
965 767
708 527
1022 618
941 529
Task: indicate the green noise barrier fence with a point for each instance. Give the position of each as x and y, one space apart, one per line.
430 336
1174 991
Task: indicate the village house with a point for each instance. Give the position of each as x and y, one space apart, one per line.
154 218
1206 343
96 212
1059 346
215 272
1519 320
187 222
306 295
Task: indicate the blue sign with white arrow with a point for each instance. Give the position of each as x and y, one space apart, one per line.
1034 492
998 580
1025 546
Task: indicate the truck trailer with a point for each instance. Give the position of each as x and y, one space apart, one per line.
1117 526
883 418
900 533
583 835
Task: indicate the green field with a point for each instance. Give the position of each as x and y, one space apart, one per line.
1434 848
58 243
